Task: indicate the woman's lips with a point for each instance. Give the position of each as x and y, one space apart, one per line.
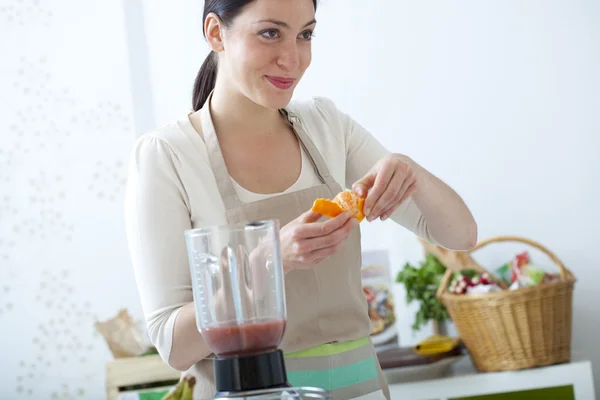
280 82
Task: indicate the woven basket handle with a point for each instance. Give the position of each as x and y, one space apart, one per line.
444 284
564 273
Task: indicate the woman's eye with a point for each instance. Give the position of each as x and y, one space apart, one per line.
307 35
270 34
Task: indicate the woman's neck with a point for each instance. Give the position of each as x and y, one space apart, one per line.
234 113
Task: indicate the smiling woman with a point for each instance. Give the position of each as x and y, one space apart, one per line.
258 43
249 153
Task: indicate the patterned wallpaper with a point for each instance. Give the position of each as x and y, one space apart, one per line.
66 130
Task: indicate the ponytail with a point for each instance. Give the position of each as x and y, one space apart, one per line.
205 81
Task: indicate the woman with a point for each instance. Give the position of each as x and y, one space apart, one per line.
247 152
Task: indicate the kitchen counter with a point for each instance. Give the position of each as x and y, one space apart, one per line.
458 380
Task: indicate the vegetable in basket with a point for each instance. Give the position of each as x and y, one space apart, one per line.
469 281
521 272
517 273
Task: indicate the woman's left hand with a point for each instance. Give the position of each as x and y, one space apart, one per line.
387 185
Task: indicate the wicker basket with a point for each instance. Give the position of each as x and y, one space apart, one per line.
510 330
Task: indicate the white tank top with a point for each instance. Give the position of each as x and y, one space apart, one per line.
307 178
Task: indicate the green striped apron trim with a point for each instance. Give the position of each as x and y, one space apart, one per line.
336 378
329 349
347 369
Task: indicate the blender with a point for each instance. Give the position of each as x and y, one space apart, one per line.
239 297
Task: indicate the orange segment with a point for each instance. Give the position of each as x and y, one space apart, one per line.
327 208
352 202
344 201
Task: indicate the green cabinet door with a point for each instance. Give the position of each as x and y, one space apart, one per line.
554 393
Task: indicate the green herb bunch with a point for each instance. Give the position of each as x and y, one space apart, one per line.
421 285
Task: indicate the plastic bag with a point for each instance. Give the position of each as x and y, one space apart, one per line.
122 335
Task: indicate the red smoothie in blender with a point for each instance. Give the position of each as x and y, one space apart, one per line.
248 338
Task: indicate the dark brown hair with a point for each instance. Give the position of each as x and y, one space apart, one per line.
226 10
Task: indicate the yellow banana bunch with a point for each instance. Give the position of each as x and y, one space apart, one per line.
183 391
436 344
175 394
188 388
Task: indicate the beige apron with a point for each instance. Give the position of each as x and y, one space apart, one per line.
326 342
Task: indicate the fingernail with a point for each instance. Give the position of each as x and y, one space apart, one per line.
384 217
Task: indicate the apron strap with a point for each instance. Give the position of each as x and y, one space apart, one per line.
313 154
217 162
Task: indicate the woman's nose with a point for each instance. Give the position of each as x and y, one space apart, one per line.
289 57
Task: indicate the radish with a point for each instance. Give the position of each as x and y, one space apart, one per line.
485 279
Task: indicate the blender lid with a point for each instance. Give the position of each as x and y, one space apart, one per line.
286 393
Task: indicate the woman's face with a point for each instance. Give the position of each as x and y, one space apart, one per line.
266 50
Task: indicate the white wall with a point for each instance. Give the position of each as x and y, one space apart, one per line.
66 130
501 99
176 51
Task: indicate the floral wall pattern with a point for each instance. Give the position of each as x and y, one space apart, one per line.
66 131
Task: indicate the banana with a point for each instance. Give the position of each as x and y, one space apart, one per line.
436 344
177 393
188 389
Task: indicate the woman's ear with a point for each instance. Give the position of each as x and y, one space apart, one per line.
213 32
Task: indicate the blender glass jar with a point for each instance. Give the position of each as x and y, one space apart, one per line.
238 286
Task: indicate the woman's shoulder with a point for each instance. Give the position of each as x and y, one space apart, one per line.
174 139
317 109
153 147
320 115
162 136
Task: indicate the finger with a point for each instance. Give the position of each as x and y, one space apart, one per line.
332 239
318 256
401 199
363 185
401 175
402 187
391 194
411 189
379 186
310 216
317 229
408 182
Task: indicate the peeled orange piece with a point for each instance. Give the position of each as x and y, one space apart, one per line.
327 208
344 201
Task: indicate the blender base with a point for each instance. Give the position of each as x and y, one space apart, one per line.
251 372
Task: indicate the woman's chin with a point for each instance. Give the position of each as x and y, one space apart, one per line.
275 98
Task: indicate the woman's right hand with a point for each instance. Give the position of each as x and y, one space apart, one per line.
306 241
